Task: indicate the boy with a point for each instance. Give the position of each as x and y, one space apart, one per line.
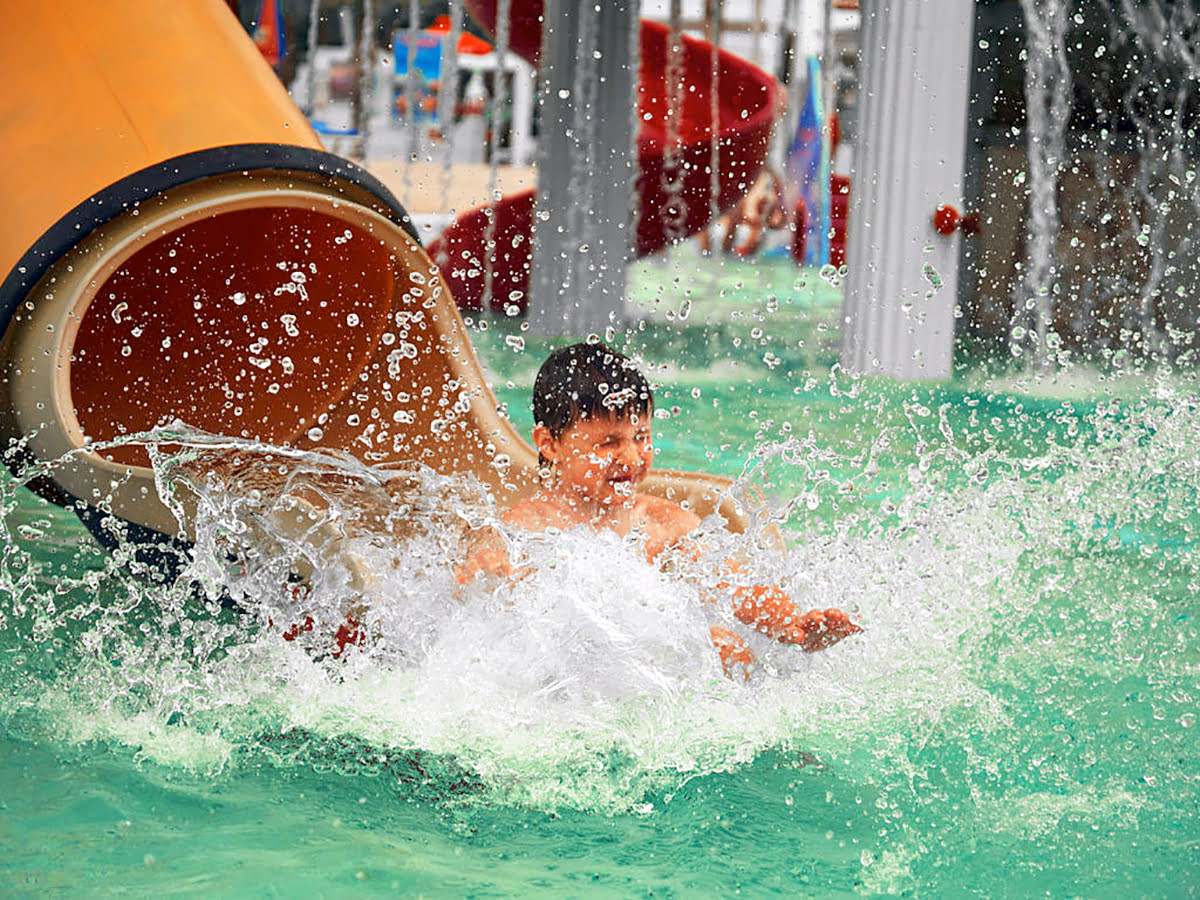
592 411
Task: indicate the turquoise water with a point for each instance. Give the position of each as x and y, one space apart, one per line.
1018 719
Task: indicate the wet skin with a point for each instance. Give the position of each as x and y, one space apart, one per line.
597 466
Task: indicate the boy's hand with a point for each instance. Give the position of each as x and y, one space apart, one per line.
772 612
736 655
824 629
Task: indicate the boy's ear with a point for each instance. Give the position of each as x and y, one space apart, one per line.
545 443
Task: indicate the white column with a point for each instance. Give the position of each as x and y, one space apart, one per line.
898 312
522 114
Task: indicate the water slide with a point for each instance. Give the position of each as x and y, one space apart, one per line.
747 102
177 246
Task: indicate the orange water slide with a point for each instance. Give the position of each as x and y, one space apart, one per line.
748 101
176 245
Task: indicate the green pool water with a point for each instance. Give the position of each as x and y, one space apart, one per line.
1018 720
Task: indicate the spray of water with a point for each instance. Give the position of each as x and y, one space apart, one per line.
591 681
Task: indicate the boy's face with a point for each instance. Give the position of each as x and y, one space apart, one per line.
603 459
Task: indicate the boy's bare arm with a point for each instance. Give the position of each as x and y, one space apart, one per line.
486 554
770 610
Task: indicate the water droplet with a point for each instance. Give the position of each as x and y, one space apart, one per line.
314 433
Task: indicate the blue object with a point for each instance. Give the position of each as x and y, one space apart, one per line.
321 127
808 168
428 60
426 51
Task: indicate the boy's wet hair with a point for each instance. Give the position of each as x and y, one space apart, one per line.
584 381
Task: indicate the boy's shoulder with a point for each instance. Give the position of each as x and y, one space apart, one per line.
666 515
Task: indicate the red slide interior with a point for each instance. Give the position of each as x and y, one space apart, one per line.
207 322
747 99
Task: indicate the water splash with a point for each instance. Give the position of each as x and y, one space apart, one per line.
982 578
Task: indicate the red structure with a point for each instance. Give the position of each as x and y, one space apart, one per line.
839 210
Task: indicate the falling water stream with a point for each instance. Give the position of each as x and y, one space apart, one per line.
1047 104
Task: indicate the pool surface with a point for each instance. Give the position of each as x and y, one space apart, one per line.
1018 719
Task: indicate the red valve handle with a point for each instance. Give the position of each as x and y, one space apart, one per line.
947 219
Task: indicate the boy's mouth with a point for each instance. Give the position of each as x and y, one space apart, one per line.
624 478
624 484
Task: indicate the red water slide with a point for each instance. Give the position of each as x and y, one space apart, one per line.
747 102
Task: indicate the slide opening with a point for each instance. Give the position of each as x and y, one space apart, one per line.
247 322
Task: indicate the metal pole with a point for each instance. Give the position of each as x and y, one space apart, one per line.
583 232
